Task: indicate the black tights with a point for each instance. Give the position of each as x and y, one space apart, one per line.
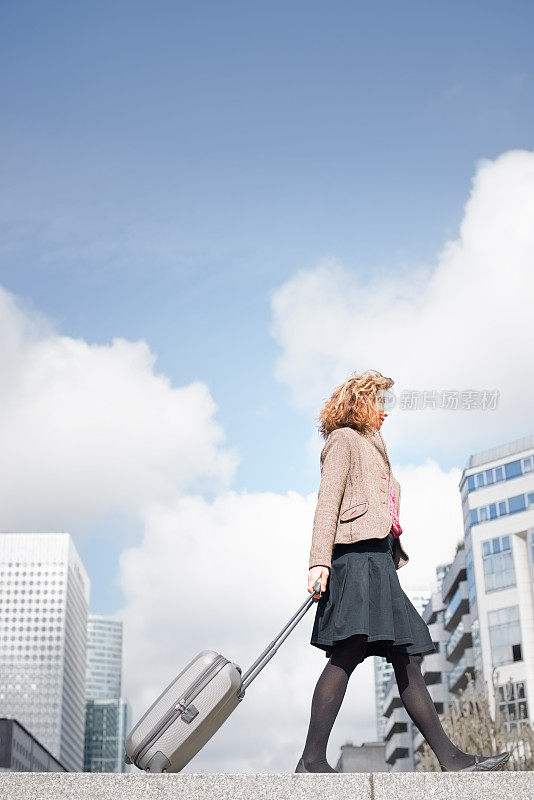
330 691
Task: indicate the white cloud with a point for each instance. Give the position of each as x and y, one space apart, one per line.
464 323
431 518
88 429
228 575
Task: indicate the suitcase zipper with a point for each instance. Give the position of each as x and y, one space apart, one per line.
180 708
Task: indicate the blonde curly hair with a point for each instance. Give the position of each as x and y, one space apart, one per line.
355 403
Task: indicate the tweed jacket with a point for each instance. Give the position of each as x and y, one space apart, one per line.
352 502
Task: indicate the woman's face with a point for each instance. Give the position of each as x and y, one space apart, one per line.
381 417
381 414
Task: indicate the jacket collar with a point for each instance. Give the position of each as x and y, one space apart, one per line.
375 438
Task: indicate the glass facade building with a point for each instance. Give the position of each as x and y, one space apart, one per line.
483 618
107 714
104 658
383 670
44 597
497 491
107 723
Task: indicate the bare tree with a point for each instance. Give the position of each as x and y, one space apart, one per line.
471 726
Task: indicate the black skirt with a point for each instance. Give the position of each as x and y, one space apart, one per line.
363 595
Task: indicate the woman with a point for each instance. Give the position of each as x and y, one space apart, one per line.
355 553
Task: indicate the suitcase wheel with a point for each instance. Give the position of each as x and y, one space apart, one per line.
158 763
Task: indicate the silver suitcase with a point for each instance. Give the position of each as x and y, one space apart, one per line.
195 705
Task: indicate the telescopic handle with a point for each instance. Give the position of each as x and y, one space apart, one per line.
271 649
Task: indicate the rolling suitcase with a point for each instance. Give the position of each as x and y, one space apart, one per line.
195 705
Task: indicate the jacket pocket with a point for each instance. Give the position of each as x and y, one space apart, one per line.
354 511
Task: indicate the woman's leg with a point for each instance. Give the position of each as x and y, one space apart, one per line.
418 703
327 698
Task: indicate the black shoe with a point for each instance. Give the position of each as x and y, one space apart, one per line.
302 768
483 763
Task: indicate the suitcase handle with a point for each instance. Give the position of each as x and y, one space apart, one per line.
271 649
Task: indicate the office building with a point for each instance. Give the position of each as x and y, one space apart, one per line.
457 624
104 658
436 666
107 713
383 670
446 671
107 722
44 595
483 617
22 752
497 491
367 757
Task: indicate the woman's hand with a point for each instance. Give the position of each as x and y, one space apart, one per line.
316 573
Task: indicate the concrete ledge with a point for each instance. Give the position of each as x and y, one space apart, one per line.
452 786
267 786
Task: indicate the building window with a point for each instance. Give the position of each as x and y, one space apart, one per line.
512 469
470 572
488 477
505 635
511 505
477 649
512 705
479 479
517 503
498 563
454 602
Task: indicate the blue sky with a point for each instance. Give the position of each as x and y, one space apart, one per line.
169 167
